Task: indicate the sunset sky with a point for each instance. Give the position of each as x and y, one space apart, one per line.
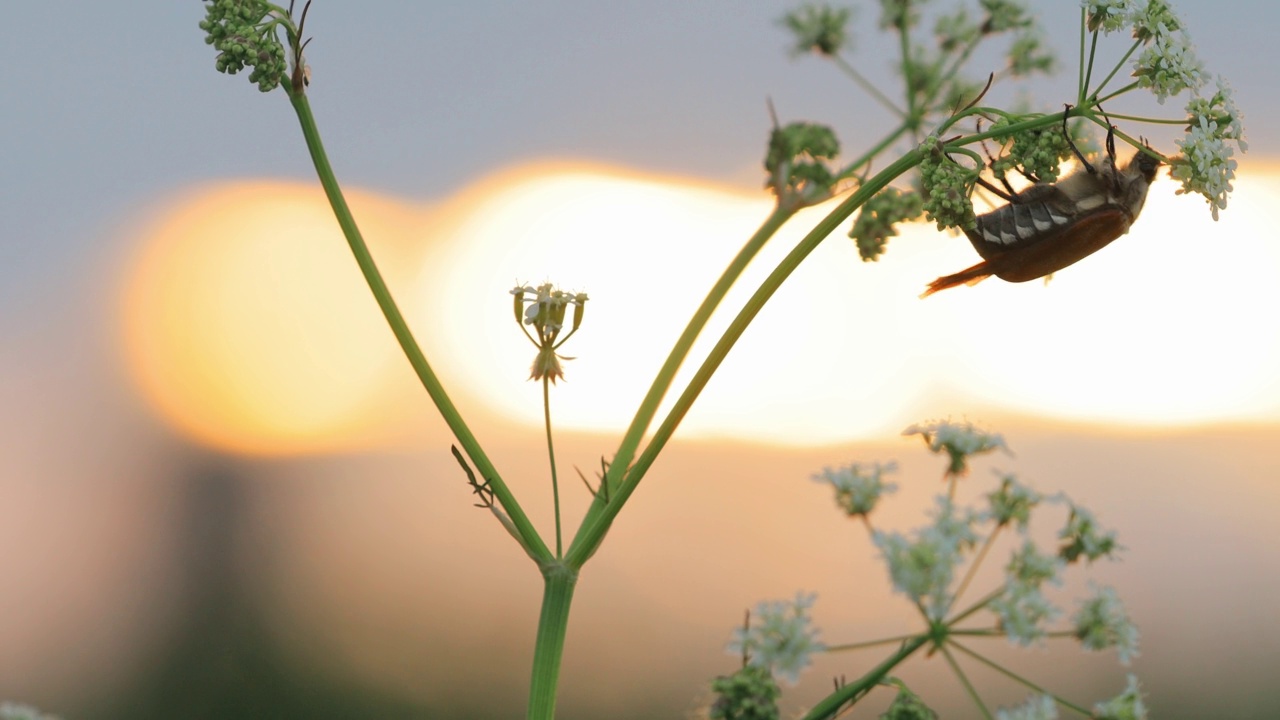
187 339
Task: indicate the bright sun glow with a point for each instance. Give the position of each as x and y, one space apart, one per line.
248 326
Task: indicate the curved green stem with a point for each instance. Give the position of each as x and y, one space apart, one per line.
831 704
401 330
591 533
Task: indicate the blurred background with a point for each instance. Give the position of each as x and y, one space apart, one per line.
223 494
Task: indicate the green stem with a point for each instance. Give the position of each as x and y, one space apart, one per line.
1034 687
401 329
551 455
590 532
968 686
1114 70
548 649
831 704
976 606
594 526
1117 93
1088 73
867 86
851 169
869 643
973 567
1081 87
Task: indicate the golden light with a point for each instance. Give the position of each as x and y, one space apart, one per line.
248 325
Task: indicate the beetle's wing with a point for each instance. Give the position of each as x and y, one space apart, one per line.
1063 247
1038 214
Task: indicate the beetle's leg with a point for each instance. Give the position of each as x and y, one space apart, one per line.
1066 134
1011 196
991 163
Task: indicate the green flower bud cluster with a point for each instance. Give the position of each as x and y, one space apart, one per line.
796 163
749 694
876 221
818 28
244 34
1038 152
946 186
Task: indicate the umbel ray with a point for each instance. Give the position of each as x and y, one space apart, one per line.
1049 226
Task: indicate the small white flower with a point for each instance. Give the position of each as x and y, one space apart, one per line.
1023 611
1206 165
1037 707
781 637
1029 566
922 568
958 440
1084 537
1127 705
1013 502
18 711
858 487
1111 15
1168 65
1102 622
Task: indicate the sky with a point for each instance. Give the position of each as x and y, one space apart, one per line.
115 123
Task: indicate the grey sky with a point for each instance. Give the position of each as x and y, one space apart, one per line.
104 108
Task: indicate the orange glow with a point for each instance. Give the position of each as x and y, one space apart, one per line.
249 327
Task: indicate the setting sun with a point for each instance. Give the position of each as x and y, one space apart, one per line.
248 326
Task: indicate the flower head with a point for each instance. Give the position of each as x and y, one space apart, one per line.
1084 537
958 440
1037 707
18 711
818 28
244 34
780 638
545 308
749 694
1024 612
797 163
1102 622
1127 705
1013 502
923 566
858 487
1206 165
946 188
1110 15
878 217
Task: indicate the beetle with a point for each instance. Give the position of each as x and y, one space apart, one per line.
1049 226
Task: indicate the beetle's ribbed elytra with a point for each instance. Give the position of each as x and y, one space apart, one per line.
1049 226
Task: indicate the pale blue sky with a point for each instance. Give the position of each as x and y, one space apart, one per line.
105 105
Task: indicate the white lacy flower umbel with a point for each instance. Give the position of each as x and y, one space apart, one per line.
958 440
858 487
1206 165
1102 622
1038 707
781 637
